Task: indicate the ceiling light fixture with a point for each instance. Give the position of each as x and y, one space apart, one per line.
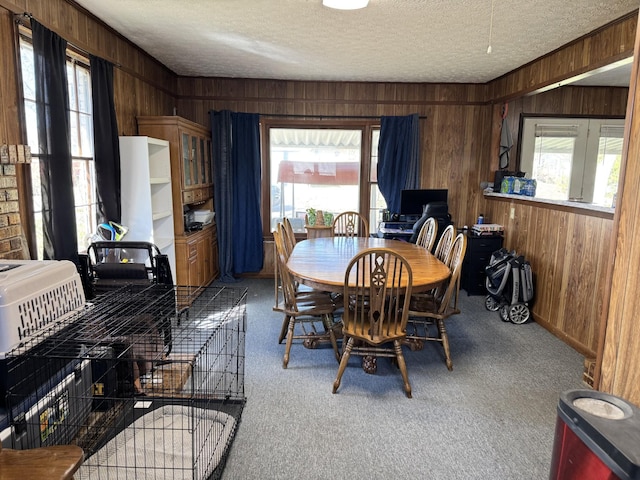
345 4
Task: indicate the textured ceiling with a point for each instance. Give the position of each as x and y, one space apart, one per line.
390 40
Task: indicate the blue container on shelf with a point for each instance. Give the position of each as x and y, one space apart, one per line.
530 187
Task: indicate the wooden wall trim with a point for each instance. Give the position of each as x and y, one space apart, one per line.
260 100
265 91
568 339
561 206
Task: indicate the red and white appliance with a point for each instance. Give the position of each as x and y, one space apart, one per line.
597 438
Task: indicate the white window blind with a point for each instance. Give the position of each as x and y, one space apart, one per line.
543 130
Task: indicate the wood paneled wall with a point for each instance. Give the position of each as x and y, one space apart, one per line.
568 249
142 86
10 132
618 365
453 134
569 254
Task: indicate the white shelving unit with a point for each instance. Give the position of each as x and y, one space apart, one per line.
147 206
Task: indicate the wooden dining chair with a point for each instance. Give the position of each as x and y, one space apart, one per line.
377 290
57 462
428 233
429 311
290 236
444 243
303 309
289 243
277 284
350 224
287 247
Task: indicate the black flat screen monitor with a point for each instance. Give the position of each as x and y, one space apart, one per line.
412 202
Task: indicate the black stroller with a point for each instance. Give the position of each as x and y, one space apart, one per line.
509 285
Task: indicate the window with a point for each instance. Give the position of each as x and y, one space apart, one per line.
377 202
320 168
573 158
80 103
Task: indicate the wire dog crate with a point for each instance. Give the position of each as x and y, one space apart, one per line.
146 389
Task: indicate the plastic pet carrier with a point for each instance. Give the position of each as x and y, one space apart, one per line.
509 283
38 299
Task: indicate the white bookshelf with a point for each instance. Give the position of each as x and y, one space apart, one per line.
147 208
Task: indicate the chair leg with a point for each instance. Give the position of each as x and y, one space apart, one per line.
346 353
287 349
327 320
397 345
283 329
445 344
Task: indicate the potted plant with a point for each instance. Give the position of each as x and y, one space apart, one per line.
311 217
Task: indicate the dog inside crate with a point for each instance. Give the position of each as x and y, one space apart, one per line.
141 347
135 325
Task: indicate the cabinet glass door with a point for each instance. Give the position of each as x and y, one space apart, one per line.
194 159
208 163
186 160
203 169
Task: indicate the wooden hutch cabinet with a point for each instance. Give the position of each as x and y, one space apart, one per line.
192 182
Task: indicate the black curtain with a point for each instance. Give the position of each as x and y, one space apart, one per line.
398 158
106 145
54 143
248 251
237 173
223 191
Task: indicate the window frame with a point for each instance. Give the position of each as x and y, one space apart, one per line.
365 125
77 59
585 155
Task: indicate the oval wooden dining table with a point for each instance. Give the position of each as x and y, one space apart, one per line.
321 263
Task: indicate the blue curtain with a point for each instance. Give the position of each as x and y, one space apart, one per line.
398 158
54 145
248 249
237 174
105 140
